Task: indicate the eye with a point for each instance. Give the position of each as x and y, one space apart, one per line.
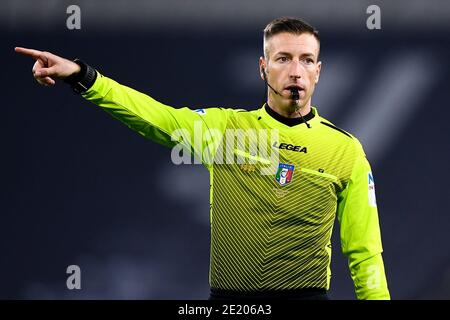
309 60
283 59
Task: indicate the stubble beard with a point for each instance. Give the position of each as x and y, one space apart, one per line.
294 106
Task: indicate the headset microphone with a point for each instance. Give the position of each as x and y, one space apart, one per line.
295 95
267 83
294 91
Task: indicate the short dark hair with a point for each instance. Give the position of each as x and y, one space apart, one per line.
289 25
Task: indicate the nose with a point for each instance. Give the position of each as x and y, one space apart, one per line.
295 71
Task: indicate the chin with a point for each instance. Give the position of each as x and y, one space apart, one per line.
296 103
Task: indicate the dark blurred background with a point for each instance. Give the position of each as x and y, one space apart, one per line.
78 187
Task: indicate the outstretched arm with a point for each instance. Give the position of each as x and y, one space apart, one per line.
161 123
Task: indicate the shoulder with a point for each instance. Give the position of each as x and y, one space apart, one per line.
240 114
340 135
333 129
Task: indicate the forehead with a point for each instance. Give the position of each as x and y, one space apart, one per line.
293 43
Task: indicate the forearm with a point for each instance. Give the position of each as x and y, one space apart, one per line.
138 111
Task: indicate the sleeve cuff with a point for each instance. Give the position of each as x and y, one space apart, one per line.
83 80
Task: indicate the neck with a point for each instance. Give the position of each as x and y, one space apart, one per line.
289 121
290 111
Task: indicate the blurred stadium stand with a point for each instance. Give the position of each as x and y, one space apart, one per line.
81 188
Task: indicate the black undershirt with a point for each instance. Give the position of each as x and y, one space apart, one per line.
288 121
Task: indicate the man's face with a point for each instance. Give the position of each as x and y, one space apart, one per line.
291 62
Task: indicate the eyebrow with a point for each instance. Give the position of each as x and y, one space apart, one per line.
307 54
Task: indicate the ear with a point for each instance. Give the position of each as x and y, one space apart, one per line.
319 67
262 67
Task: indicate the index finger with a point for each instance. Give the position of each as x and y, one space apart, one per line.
28 52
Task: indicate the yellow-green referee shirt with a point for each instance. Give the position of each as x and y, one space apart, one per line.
270 230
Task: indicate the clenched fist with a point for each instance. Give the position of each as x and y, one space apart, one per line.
48 66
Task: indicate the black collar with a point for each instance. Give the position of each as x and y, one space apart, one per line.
288 121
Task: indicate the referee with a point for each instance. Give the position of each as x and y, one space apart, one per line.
272 206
